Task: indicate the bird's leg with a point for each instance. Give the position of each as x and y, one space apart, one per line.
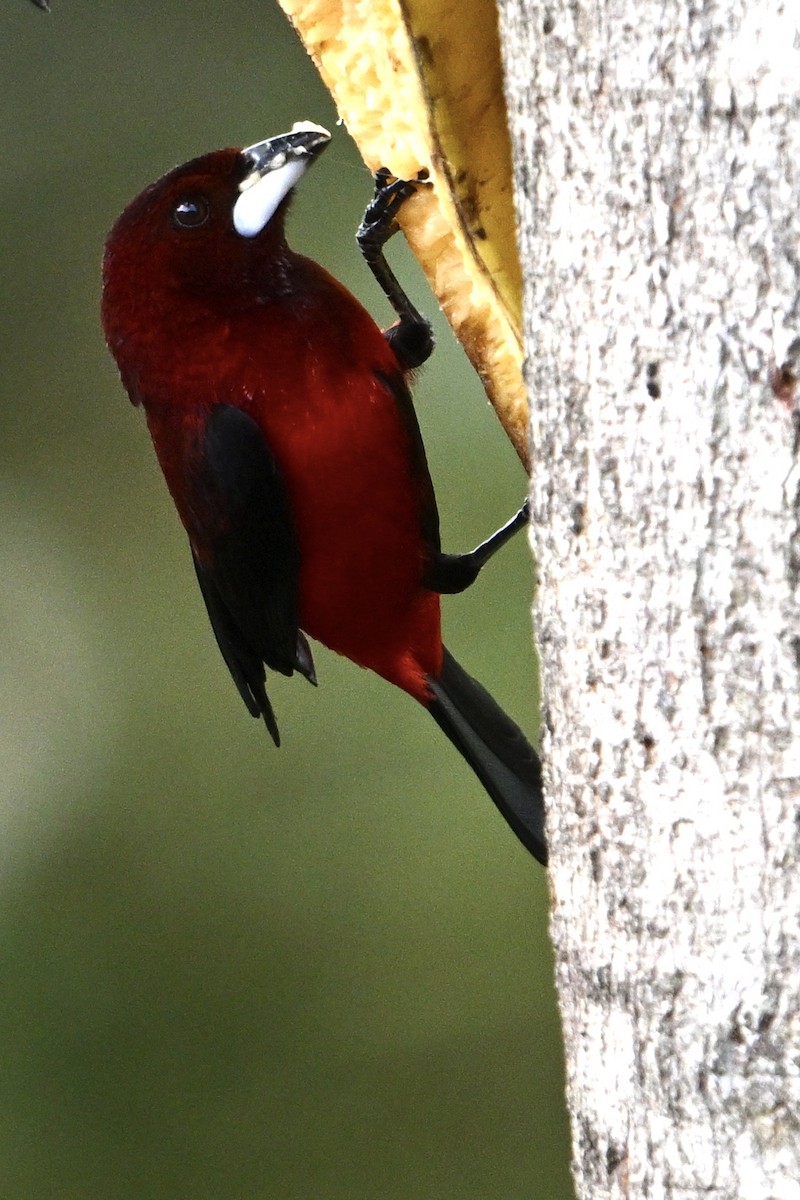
450 573
411 337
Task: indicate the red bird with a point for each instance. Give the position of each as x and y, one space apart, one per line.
283 423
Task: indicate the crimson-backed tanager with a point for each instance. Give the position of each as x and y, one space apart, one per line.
284 426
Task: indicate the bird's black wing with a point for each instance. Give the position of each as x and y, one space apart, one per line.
247 560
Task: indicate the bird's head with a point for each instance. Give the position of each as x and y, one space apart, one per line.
210 230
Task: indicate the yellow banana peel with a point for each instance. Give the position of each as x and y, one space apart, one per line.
418 83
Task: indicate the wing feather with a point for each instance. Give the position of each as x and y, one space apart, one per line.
248 564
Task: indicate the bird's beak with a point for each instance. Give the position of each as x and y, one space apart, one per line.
275 167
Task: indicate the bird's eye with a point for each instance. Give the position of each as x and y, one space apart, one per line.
191 212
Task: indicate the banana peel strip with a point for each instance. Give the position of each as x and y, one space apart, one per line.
418 83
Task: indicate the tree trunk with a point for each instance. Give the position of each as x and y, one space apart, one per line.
657 167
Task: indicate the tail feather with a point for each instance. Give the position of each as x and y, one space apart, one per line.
495 748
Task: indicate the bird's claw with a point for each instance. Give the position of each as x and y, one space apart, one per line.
380 218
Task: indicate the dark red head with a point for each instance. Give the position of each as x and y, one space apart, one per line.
209 233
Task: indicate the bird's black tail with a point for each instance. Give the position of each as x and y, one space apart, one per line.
495 748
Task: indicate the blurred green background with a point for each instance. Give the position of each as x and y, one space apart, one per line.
231 971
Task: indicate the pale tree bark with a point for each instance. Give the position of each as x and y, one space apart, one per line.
657 161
